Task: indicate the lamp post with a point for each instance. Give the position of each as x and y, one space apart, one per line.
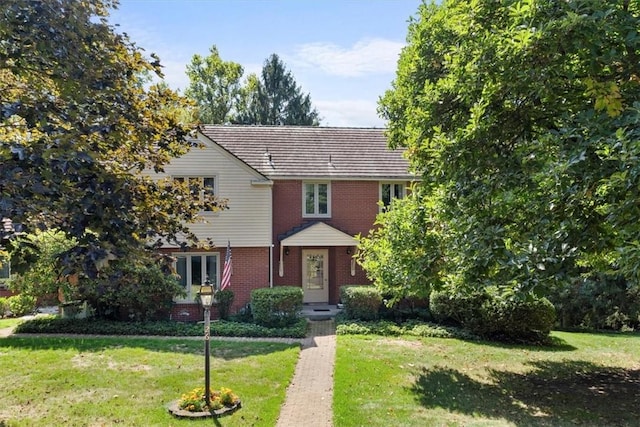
206 298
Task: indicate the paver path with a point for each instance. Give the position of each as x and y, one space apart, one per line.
310 394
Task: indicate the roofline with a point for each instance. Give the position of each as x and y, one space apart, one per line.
263 176
342 178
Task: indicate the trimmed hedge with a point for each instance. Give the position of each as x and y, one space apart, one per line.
361 301
505 319
221 328
276 307
4 307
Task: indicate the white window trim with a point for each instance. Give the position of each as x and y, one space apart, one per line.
393 184
201 178
193 293
315 214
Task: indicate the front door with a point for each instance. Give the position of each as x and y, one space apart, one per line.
315 277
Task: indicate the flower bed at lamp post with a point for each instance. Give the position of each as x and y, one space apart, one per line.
194 405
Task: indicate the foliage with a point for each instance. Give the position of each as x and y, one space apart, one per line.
214 85
77 129
401 255
225 300
194 401
134 288
275 98
495 317
598 302
22 304
360 302
276 307
222 328
414 328
36 255
4 307
521 118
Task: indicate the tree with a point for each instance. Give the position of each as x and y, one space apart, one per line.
77 131
275 98
214 86
522 119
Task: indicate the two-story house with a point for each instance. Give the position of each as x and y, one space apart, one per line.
297 197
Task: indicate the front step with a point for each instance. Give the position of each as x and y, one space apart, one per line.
320 311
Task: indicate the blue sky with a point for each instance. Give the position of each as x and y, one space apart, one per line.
343 52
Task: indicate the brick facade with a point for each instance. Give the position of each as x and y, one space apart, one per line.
250 271
353 211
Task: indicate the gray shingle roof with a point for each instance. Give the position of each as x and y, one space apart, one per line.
311 152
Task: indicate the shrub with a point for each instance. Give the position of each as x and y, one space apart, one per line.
55 325
225 299
407 308
4 307
459 308
361 302
22 304
598 302
513 319
276 307
489 316
132 290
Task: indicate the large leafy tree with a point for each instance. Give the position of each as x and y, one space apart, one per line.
215 86
77 130
275 98
522 119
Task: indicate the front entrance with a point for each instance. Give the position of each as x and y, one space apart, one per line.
315 275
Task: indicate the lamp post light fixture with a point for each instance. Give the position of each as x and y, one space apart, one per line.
206 298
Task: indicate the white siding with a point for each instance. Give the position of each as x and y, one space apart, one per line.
247 221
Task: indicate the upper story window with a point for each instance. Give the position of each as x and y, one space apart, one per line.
193 269
316 199
208 183
5 270
390 191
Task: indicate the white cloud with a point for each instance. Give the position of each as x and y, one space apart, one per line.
349 113
368 56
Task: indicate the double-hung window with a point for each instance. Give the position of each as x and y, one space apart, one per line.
206 183
316 199
193 269
390 191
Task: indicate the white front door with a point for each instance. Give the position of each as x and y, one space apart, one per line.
315 277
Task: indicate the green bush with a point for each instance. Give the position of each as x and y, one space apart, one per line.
493 317
132 290
598 302
361 302
515 319
225 299
22 304
463 309
56 325
276 307
4 307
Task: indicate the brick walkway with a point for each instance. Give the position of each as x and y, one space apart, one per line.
309 397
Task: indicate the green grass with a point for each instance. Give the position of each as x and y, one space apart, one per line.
128 381
585 379
10 322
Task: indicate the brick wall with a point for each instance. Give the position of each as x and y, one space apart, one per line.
353 210
250 271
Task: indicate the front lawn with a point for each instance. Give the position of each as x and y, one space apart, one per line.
128 381
585 379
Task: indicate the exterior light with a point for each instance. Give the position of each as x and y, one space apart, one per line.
206 298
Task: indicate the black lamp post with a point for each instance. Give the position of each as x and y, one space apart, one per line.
206 298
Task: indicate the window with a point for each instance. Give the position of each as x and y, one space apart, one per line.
193 270
5 270
208 183
316 199
390 191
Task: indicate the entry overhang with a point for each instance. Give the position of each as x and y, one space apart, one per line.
318 234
